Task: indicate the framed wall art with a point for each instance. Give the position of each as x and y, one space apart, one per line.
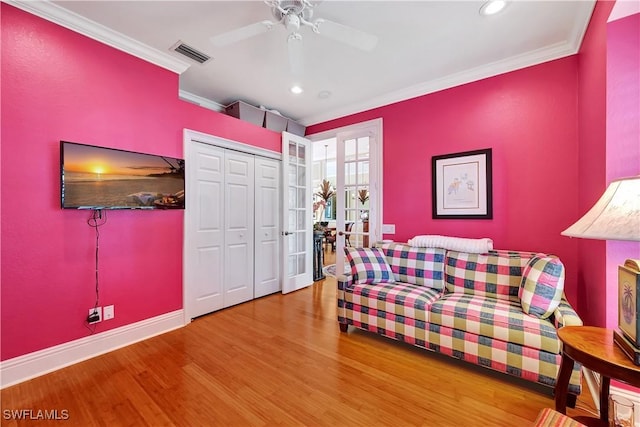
462 185
628 301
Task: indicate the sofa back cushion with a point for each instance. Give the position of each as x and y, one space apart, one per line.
542 286
369 266
417 266
496 274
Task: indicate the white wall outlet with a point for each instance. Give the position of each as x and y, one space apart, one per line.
97 310
108 312
388 229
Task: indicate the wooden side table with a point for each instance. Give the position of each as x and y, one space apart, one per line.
594 348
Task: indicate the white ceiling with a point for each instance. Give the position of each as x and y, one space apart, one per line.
423 46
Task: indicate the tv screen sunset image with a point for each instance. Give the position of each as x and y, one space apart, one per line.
96 177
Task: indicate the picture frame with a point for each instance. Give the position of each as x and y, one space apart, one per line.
462 185
628 301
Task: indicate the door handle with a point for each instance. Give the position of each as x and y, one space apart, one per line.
286 233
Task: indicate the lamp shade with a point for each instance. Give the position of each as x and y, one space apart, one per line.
615 216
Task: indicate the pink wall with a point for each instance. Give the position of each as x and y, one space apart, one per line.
57 85
528 117
591 170
546 125
623 134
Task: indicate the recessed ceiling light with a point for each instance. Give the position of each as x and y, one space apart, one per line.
297 90
324 94
492 7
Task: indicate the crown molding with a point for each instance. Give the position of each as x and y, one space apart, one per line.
54 13
624 8
529 59
71 20
535 57
201 101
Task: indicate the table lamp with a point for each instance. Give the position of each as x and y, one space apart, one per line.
616 216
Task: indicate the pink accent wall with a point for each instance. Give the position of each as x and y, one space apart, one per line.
591 159
528 117
58 85
623 135
546 126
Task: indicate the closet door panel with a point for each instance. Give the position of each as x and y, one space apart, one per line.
267 220
204 233
239 228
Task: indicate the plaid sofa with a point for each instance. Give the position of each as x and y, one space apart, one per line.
463 305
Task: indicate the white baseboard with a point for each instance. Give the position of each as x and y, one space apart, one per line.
593 383
28 366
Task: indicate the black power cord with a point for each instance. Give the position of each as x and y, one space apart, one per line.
97 219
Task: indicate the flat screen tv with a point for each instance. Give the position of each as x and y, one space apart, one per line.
94 177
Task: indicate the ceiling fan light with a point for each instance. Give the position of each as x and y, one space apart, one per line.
492 7
292 22
296 90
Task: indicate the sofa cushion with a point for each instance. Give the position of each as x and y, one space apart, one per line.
497 319
522 362
369 266
542 286
497 274
400 302
417 266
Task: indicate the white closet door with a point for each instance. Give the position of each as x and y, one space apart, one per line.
239 228
204 232
267 280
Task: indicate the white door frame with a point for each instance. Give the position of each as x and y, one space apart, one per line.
375 127
192 137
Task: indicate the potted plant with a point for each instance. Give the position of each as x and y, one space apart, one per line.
363 196
326 191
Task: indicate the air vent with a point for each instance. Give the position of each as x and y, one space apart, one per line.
190 52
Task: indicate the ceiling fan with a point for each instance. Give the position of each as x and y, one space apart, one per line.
294 14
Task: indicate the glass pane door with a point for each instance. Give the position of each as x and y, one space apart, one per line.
297 213
356 192
358 183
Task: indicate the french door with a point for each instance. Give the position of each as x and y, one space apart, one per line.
358 185
297 213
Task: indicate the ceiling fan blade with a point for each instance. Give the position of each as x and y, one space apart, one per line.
342 33
296 53
242 33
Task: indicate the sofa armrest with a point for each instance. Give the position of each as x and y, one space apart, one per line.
344 281
565 315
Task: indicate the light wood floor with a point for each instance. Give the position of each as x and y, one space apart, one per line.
278 360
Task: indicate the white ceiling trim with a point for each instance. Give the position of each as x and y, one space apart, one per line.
65 18
535 57
54 13
579 31
201 101
624 8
